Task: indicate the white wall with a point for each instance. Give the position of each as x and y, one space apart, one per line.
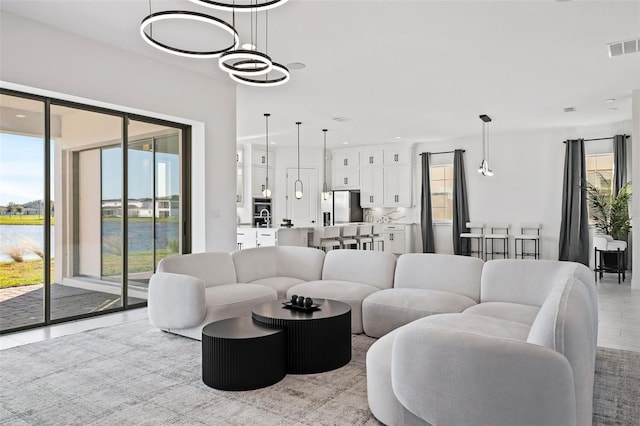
44 60
526 186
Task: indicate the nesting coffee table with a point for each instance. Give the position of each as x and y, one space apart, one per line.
317 341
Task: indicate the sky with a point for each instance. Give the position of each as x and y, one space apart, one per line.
22 171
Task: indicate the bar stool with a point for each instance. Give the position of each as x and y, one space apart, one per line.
472 236
605 248
378 239
364 236
347 234
500 236
526 234
326 238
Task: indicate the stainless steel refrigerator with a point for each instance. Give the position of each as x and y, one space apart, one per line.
342 207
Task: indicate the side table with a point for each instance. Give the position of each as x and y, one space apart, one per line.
238 354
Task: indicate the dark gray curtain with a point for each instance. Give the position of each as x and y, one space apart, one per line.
460 206
426 215
619 162
574 228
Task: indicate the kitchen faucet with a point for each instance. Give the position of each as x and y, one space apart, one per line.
268 220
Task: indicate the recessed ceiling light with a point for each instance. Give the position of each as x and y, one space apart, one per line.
296 65
398 137
21 116
570 109
272 142
610 100
249 46
340 119
345 143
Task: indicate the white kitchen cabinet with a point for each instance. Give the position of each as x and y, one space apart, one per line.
346 178
246 238
258 178
397 155
397 187
397 238
371 158
266 237
371 187
259 156
345 159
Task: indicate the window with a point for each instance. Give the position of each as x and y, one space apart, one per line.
442 192
600 174
600 170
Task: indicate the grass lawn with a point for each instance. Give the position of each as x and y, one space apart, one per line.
29 272
23 220
14 274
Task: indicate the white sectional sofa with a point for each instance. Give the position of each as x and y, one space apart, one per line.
524 355
349 276
188 292
460 341
278 267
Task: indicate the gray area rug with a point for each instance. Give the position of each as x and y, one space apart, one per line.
133 374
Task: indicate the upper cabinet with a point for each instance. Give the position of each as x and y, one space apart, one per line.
397 155
259 156
382 173
259 171
239 176
371 158
345 169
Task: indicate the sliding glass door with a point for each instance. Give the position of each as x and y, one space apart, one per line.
106 197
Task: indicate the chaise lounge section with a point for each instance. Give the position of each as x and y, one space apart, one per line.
525 353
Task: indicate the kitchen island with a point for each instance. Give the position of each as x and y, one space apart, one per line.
248 237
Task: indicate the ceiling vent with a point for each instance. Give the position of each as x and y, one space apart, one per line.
570 109
623 47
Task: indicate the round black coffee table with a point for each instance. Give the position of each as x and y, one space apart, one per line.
239 354
316 341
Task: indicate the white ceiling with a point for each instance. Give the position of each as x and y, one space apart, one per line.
421 70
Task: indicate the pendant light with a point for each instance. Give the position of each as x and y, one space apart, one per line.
297 185
266 192
325 190
484 169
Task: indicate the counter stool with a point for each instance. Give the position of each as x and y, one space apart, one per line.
347 234
364 237
378 238
494 235
526 234
479 236
326 238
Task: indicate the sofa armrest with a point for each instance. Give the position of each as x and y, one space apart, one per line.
449 377
176 300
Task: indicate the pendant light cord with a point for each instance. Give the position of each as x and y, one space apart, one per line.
324 161
298 123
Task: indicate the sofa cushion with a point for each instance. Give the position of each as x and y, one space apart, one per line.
303 263
524 314
374 268
389 309
454 274
476 324
279 284
526 281
212 268
349 292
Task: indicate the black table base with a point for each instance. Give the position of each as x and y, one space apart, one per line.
317 341
238 354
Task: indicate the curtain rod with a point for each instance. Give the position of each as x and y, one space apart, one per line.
440 152
601 139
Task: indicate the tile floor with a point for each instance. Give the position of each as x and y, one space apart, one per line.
618 305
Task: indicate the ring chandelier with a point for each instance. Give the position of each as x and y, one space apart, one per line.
245 66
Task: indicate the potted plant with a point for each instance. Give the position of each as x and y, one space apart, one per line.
609 214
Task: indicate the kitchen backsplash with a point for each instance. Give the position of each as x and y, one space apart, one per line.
388 215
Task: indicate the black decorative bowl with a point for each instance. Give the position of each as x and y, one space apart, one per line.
313 307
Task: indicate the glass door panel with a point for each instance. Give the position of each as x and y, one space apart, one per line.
22 229
87 182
